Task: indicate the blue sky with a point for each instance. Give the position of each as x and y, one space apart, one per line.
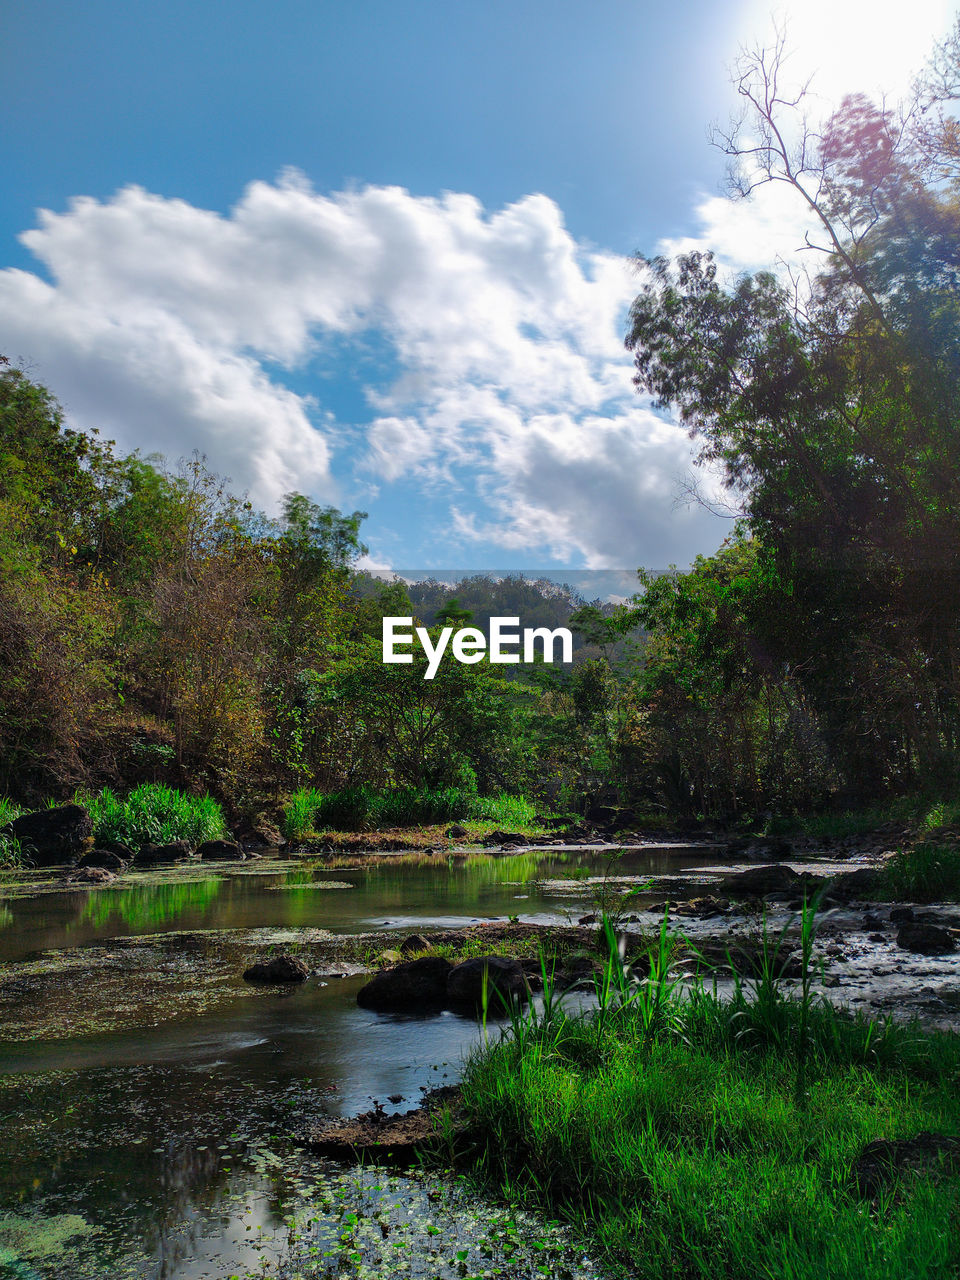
377 252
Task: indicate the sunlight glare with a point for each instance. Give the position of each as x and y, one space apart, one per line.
850 46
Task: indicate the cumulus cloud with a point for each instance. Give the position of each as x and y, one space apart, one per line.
508 399
747 235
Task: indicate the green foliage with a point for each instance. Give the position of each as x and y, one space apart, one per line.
829 411
300 813
9 810
365 808
154 814
458 729
929 872
11 853
678 1132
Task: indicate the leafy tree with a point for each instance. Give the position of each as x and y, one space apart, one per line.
830 401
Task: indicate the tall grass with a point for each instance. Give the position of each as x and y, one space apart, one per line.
918 812
365 808
154 814
929 872
8 811
11 852
690 1136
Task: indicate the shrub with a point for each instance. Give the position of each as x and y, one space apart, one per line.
154 814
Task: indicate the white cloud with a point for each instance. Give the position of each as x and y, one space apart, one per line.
509 401
754 233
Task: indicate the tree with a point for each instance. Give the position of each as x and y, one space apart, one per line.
830 400
453 614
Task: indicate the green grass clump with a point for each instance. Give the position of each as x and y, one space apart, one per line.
11 852
154 814
689 1136
929 872
365 808
915 811
944 814
8 811
300 813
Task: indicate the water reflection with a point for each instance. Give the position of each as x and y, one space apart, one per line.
443 892
177 1160
145 907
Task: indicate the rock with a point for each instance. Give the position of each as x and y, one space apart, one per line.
53 836
105 858
90 875
758 881
220 851
876 937
266 832
416 984
506 837
703 908
882 1161
767 851
118 847
391 957
456 832
504 979
151 854
901 915
415 942
926 939
872 921
281 968
853 884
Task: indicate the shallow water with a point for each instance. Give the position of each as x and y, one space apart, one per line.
273 893
165 1152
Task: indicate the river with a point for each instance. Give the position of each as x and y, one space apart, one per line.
150 1098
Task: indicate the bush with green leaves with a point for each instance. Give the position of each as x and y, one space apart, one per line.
366 808
154 814
929 872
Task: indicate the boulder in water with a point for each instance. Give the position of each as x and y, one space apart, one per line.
220 851
417 984
498 979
